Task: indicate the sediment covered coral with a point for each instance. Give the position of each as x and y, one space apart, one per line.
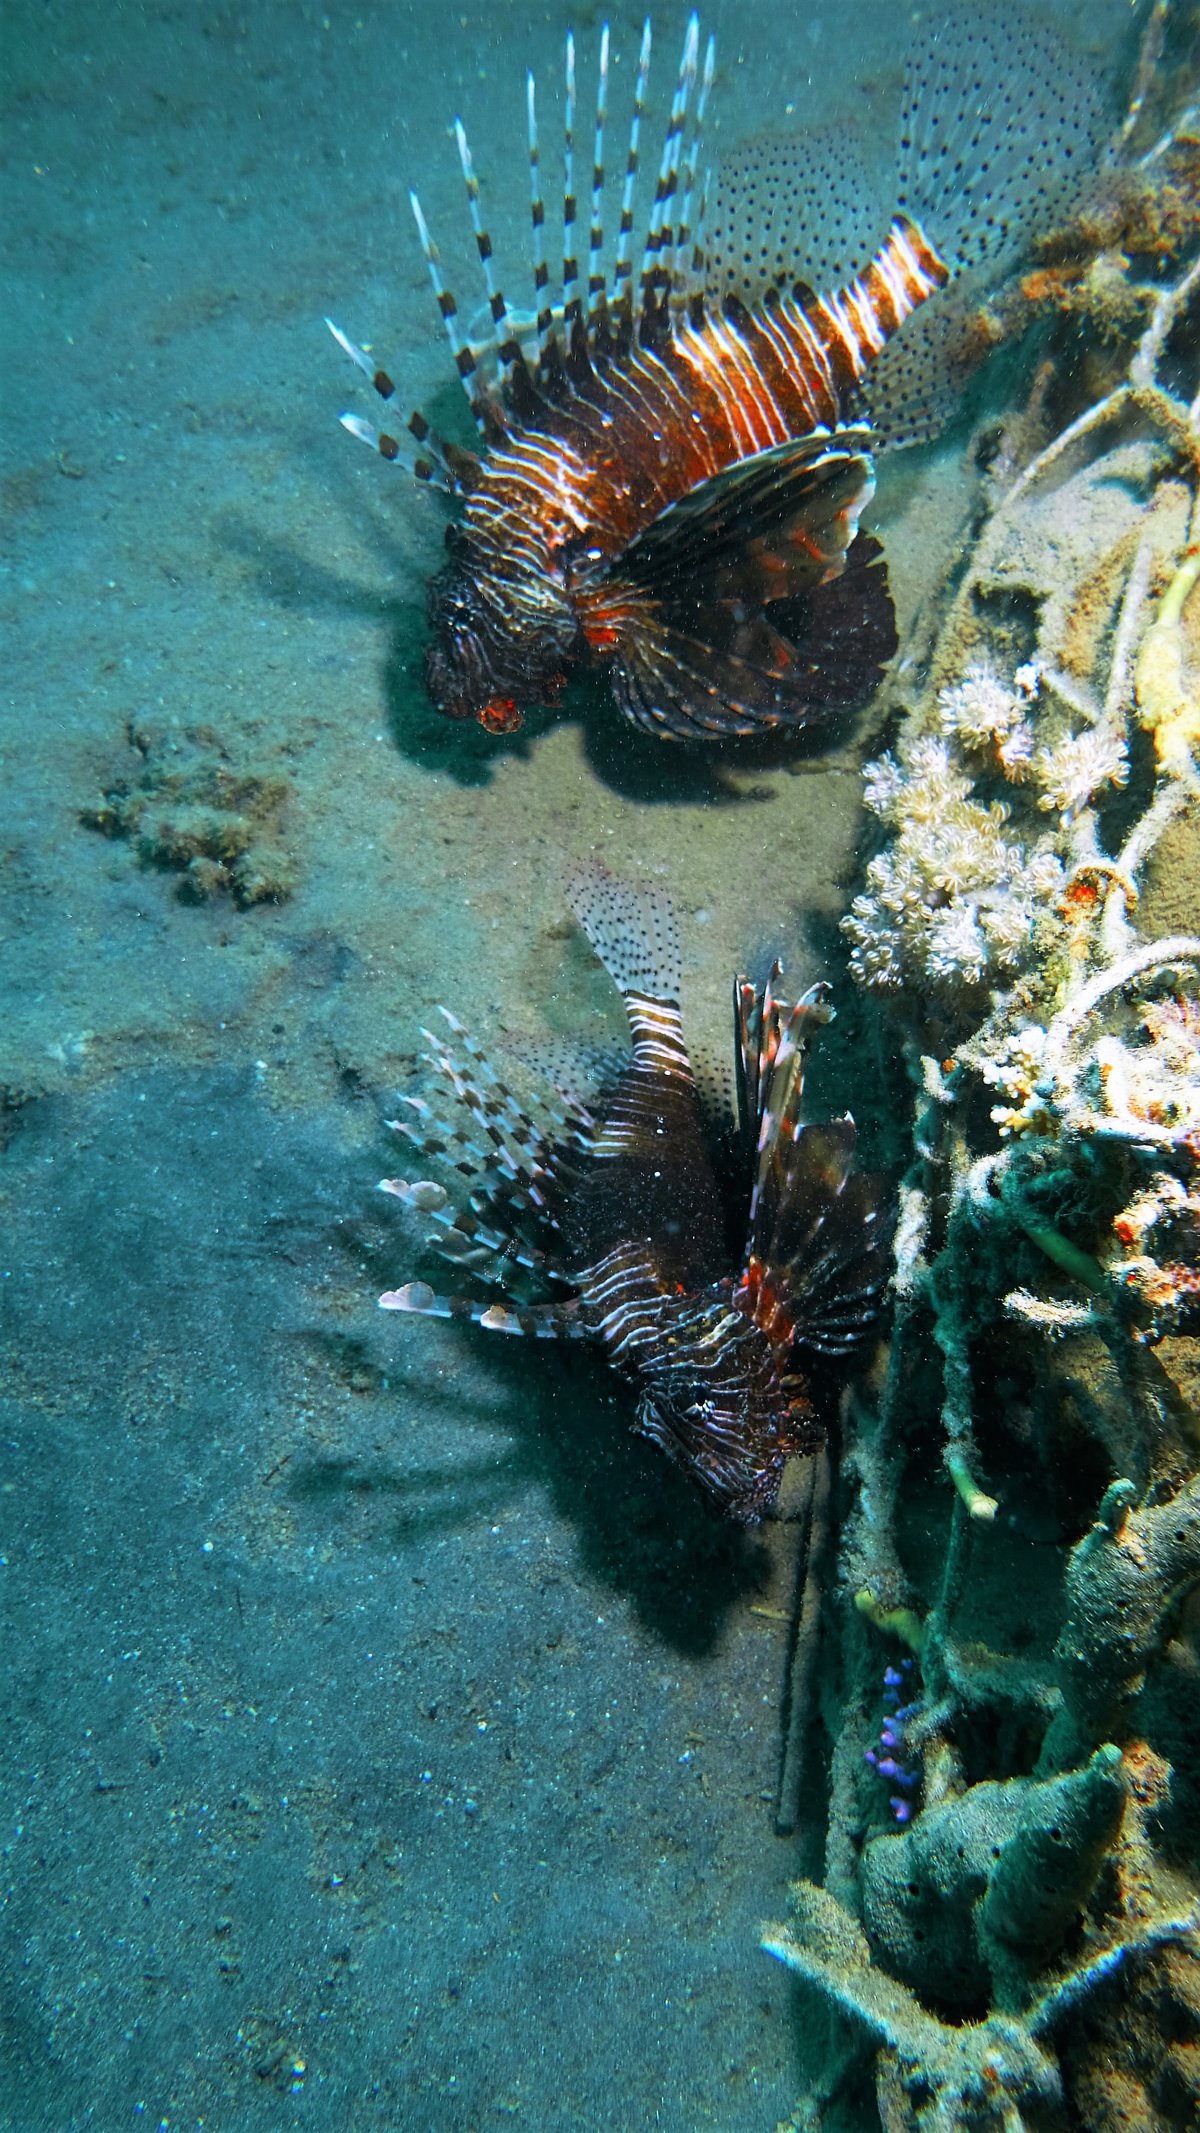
191 809
1014 1913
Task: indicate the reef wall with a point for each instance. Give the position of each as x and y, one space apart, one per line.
1005 1924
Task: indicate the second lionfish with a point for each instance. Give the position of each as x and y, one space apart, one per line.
607 1222
672 463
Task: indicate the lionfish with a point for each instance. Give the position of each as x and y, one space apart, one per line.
672 466
606 1222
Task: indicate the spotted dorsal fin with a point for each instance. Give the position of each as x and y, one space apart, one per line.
633 930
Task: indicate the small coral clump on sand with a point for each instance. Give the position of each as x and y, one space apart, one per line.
193 812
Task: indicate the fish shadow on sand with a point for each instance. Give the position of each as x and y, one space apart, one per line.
643 1531
288 578
634 765
654 773
637 766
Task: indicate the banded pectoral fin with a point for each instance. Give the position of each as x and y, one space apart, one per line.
818 1247
753 602
767 527
702 674
541 1321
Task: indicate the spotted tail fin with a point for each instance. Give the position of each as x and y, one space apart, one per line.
633 930
1002 131
1001 125
1003 134
791 207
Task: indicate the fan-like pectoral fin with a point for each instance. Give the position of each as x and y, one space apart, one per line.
723 670
818 1254
770 526
752 603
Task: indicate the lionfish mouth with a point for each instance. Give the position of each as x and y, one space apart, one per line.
470 668
452 697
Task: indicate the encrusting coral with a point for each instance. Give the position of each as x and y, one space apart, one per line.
1009 1912
191 810
987 1929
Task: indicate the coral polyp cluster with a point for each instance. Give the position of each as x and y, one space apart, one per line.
961 886
1159 1232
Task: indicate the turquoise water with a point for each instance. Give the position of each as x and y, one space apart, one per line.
391 1740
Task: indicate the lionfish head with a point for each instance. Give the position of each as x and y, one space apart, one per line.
498 648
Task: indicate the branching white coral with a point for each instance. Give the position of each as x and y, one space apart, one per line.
982 708
1072 773
957 897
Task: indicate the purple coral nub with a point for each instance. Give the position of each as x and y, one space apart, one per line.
891 1741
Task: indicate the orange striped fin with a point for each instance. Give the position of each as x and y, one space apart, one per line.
856 323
